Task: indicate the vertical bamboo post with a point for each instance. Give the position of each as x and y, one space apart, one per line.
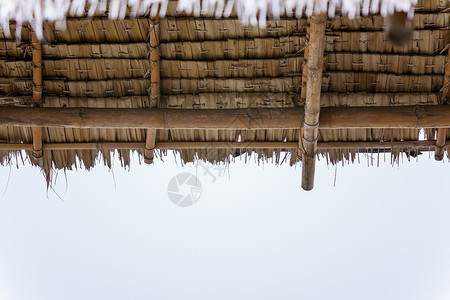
303 93
315 52
441 137
37 92
155 88
300 144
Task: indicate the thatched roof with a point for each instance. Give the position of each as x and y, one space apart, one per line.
209 63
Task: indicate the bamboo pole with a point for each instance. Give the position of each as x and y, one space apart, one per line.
37 69
316 46
37 143
421 145
442 132
37 93
155 85
300 144
440 144
412 117
155 77
150 142
303 92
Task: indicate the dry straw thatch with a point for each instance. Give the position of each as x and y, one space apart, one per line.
209 63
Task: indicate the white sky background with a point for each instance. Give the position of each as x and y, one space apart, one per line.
380 233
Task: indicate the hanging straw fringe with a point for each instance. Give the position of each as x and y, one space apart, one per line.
249 11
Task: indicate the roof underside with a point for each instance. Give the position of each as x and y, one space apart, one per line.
210 64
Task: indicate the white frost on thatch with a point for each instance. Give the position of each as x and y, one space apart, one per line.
249 11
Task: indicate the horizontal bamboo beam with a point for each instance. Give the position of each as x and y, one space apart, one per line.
421 145
426 116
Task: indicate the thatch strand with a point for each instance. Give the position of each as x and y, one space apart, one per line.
249 11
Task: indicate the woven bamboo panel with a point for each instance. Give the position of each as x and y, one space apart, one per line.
380 82
380 99
235 48
176 29
10 49
427 42
398 64
15 68
15 86
208 85
96 69
98 30
230 100
110 50
422 42
232 68
376 22
431 5
97 88
17 101
283 100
